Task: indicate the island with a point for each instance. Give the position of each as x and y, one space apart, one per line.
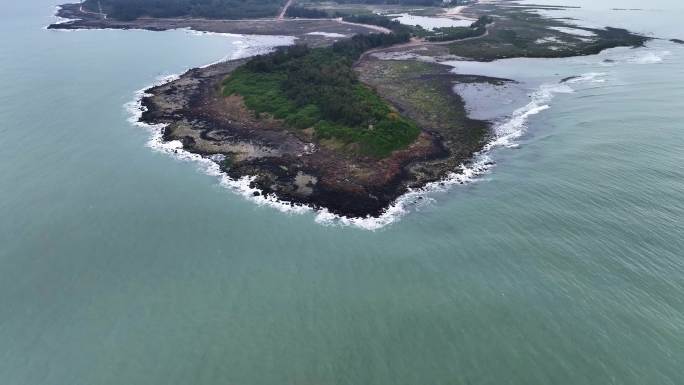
357 112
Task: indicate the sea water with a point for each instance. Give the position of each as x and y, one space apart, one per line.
557 260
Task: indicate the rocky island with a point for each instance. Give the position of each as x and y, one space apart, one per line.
359 111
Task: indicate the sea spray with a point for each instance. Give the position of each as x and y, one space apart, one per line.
642 56
327 34
59 20
505 134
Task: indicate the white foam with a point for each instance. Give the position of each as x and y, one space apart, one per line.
512 128
58 19
507 131
640 56
649 57
505 134
246 45
413 198
242 187
326 34
591 77
207 165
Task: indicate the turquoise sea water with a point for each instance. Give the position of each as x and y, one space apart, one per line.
564 264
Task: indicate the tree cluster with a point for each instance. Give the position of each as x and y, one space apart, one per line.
318 88
324 76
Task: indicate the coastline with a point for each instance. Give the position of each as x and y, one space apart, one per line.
505 133
554 256
336 205
467 173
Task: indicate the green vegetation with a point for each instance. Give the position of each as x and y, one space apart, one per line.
214 9
317 88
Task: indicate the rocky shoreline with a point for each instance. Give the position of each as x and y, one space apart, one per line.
297 167
289 163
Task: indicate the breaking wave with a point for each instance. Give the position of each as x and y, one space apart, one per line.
637 57
58 19
326 34
505 134
209 166
649 58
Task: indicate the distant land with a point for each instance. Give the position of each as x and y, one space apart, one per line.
223 9
355 114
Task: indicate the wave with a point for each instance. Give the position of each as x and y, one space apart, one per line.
58 20
412 199
505 134
649 57
326 34
250 46
247 45
591 77
241 186
245 49
207 165
638 57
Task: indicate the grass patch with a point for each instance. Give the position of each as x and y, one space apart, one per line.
317 88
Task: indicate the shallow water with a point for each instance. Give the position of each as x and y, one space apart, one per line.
121 265
430 22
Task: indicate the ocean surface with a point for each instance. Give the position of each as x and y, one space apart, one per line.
557 258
